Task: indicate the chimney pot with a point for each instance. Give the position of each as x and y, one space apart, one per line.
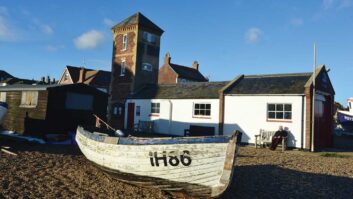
195 65
167 58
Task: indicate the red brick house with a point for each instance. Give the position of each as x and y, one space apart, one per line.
171 73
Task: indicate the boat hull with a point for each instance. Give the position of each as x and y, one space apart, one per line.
345 119
200 167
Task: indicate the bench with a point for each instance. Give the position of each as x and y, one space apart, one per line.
195 130
265 138
143 127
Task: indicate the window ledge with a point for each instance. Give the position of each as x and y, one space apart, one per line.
28 106
153 115
274 120
201 117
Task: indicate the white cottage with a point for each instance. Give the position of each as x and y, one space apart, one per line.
248 103
174 107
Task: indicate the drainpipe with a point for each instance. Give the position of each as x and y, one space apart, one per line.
302 127
170 116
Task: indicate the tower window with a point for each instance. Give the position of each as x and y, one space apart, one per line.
146 67
124 42
122 68
149 37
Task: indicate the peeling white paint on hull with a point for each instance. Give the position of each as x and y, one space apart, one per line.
200 166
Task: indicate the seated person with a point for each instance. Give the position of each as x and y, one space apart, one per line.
277 138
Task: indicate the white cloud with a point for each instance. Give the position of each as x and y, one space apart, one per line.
89 40
46 29
108 22
296 22
253 35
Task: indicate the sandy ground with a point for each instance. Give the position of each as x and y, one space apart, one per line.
44 171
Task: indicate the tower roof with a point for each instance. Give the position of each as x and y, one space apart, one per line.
138 19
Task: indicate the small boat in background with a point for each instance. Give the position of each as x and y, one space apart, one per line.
198 166
3 111
345 118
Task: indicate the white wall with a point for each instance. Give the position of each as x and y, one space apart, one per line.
182 114
249 114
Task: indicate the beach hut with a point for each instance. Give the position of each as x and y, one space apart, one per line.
42 109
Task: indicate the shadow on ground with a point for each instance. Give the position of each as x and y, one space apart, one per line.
269 181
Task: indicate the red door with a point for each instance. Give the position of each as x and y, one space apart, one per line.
130 115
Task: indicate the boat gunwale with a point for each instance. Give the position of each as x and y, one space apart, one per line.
132 140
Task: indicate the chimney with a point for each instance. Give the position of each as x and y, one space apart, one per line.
195 65
167 58
53 81
82 75
42 79
48 80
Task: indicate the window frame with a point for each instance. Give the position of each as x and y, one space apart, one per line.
147 64
275 111
154 111
123 68
124 42
35 97
205 109
3 95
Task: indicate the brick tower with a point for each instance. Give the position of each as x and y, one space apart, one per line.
135 62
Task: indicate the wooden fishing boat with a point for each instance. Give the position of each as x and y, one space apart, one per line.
197 166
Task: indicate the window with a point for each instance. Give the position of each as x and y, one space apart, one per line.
149 37
202 109
124 42
146 67
155 108
2 96
122 68
29 99
138 110
77 101
279 111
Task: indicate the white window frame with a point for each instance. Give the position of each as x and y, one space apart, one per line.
283 111
2 96
123 68
124 46
155 110
29 103
147 66
205 109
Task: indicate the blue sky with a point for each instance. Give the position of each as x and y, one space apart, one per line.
227 38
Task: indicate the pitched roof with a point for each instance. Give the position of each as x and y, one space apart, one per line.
188 73
270 84
193 90
4 75
138 19
92 77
